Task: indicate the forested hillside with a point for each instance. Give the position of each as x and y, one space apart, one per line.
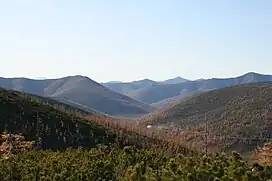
54 125
238 118
47 140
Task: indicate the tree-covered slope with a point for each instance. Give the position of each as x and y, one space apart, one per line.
107 151
54 125
235 116
35 118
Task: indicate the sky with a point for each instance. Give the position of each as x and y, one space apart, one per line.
128 40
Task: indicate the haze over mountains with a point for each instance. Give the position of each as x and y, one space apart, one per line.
175 80
160 94
127 87
81 92
239 106
123 98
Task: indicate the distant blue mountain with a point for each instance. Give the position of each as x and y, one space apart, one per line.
153 94
112 82
40 78
175 80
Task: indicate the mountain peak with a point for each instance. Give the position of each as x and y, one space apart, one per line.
251 74
40 78
77 76
84 80
143 80
146 82
113 82
175 80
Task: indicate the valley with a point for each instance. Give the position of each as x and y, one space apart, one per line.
227 123
135 90
231 109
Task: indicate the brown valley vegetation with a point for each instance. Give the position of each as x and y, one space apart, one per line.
45 140
238 118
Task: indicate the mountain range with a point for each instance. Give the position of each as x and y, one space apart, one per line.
79 91
128 87
234 108
160 94
117 98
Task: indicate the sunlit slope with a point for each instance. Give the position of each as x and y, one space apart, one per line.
235 117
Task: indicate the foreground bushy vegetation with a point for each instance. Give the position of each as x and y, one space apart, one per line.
128 164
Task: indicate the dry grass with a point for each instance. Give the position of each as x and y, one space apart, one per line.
13 142
264 154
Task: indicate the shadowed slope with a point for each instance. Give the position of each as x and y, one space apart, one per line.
54 125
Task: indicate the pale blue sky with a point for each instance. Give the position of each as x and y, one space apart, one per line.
135 39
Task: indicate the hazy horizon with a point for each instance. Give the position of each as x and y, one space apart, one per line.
133 40
114 81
